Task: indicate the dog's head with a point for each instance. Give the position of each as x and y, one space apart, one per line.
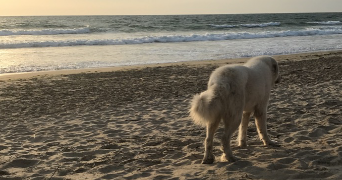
274 67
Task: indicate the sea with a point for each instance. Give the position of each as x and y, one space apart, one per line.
48 43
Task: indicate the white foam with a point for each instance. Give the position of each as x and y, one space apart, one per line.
261 24
223 26
246 25
326 22
34 59
174 38
7 32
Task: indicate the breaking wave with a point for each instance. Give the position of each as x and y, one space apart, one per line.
8 32
326 22
258 25
175 38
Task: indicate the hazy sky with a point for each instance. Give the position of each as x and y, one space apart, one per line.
151 7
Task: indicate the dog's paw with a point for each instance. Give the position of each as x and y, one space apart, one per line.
225 158
208 160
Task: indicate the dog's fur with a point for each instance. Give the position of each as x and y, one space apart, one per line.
234 93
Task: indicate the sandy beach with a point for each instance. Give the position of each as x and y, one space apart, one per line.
133 123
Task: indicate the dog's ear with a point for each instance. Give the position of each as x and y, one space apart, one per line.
275 68
276 73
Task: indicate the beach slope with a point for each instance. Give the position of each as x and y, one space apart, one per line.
134 124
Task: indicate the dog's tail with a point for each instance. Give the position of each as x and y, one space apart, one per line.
207 106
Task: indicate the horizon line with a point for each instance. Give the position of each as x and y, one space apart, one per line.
170 14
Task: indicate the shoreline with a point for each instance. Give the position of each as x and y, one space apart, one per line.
279 58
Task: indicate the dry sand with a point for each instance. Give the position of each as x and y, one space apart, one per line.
133 123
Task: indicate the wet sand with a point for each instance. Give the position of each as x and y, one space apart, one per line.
133 123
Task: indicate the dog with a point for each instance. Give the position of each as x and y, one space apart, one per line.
235 92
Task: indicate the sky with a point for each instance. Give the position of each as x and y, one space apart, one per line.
163 7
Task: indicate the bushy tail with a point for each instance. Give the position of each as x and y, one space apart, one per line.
207 106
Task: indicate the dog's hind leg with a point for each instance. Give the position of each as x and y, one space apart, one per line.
261 124
242 138
208 143
231 124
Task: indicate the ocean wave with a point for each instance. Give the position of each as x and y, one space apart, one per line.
223 26
261 24
8 32
175 38
326 22
246 25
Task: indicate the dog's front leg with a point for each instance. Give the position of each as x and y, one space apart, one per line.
261 123
208 143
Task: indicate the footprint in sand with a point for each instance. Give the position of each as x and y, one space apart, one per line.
3 147
286 160
21 163
317 133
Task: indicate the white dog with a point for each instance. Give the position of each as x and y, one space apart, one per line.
234 92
